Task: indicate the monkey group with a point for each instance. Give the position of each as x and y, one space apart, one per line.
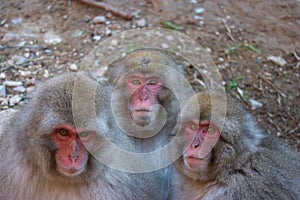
143 134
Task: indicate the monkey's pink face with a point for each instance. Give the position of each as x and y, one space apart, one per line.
144 92
71 156
200 139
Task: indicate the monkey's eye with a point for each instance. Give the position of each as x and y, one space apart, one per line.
153 82
193 127
210 131
136 82
84 134
64 132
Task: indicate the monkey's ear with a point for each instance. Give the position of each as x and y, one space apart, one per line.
114 71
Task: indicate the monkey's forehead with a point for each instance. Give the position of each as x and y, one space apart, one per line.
147 57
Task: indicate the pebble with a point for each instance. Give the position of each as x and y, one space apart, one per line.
20 88
2 76
10 37
97 37
255 104
16 21
208 50
199 10
17 60
4 102
197 17
141 22
221 59
14 100
99 20
114 42
73 67
2 91
12 83
51 38
165 46
277 60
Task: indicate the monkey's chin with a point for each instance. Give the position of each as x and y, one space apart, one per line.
70 172
196 163
141 118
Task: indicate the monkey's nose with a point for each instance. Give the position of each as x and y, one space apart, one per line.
143 97
196 143
73 157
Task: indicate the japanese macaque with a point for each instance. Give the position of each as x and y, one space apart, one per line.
148 87
231 160
44 152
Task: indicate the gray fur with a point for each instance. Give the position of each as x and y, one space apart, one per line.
246 163
27 165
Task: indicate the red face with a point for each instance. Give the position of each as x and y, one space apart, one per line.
144 92
71 156
201 138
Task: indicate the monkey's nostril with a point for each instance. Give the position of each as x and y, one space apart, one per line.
73 158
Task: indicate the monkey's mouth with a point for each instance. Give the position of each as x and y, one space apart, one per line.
142 112
71 171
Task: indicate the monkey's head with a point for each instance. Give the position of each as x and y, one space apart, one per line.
56 142
142 79
214 142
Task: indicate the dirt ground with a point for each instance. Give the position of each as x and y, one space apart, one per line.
42 38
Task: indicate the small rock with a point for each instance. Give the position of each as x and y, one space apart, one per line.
114 42
277 60
2 76
17 60
14 100
12 83
108 32
197 17
99 20
51 38
73 67
97 37
165 46
193 1
10 37
208 50
16 21
169 37
141 22
27 54
46 74
2 91
221 59
3 101
20 88
65 17
199 10
255 104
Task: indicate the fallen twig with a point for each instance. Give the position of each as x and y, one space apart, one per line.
109 8
274 86
228 30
